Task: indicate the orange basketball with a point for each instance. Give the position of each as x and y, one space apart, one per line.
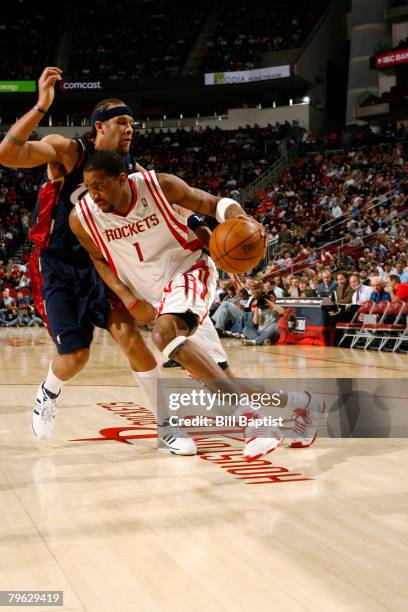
237 245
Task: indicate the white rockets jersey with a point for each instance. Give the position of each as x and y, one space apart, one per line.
147 246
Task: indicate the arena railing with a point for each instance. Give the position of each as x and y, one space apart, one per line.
270 175
374 202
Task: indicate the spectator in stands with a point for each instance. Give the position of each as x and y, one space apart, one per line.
248 305
231 311
303 287
292 287
231 294
287 261
402 270
262 324
326 258
387 267
344 292
311 291
397 290
285 234
32 317
24 281
336 211
361 293
327 284
10 315
277 289
379 294
23 300
220 295
364 277
26 312
8 300
347 261
22 308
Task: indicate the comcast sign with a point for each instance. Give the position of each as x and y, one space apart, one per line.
80 85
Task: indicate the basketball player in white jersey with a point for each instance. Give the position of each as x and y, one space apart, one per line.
143 250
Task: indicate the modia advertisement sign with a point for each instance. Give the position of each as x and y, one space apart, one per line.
246 76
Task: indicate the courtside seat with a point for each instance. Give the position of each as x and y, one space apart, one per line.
352 327
395 332
365 333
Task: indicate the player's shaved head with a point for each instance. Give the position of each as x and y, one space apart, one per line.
110 162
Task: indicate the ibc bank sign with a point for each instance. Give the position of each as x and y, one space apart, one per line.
392 58
80 85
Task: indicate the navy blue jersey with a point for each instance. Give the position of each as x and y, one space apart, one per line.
51 232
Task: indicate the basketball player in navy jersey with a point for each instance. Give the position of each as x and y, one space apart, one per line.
68 293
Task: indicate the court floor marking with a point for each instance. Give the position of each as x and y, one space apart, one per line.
43 539
135 386
346 363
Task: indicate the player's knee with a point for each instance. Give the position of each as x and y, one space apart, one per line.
131 339
162 337
78 359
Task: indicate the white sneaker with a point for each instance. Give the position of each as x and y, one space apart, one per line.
304 420
175 440
44 413
260 441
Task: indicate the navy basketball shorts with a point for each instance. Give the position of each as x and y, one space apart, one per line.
75 300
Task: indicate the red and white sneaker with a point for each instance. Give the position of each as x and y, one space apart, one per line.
304 421
260 441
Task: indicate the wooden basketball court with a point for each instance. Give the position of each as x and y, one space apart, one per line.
118 526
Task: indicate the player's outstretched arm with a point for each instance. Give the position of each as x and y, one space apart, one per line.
178 192
139 309
17 151
223 209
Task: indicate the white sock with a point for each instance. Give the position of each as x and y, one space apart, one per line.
53 383
297 399
148 382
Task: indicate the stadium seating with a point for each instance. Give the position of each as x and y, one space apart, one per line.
242 34
24 26
147 39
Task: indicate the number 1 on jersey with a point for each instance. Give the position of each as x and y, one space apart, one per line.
138 250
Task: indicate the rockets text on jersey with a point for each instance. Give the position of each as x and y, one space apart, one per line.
147 246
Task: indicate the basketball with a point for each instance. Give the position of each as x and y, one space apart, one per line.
237 245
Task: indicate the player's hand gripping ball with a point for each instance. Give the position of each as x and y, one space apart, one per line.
238 245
